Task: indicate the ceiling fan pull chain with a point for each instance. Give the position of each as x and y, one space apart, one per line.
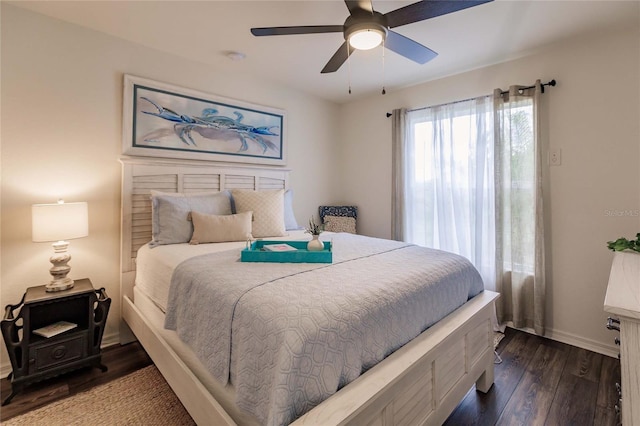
349 66
384 92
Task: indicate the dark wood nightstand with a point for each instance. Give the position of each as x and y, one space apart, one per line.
35 358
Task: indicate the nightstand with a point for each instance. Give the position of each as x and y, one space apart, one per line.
35 358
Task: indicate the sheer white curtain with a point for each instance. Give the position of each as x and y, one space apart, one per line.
520 263
449 181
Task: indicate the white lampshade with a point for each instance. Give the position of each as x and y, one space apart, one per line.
366 39
60 221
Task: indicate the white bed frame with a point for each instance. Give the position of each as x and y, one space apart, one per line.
421 383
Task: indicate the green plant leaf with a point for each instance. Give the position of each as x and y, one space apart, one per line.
622 244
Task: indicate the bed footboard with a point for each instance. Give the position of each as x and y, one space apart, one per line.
423 382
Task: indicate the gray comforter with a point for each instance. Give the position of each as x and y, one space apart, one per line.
290 335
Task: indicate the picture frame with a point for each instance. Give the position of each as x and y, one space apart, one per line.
163 120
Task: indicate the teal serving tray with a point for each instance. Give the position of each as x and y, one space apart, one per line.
256 253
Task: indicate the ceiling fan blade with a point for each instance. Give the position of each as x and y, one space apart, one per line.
427 9
355 5
408 48
338 59
308 29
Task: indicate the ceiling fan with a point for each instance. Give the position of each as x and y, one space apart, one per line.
365 29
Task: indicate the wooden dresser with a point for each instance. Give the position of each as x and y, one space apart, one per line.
623 303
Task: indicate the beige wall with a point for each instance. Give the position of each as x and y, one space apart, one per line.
593 115
61 137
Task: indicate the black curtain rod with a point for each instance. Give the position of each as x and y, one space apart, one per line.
551 83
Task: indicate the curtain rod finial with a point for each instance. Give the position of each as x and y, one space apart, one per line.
389 114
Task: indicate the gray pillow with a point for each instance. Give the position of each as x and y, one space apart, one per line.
170 222
290 222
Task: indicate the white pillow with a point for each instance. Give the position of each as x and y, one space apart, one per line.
267 208
219 229
170 211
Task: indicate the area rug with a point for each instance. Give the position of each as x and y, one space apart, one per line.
140 398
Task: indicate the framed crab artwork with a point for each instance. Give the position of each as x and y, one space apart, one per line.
162 120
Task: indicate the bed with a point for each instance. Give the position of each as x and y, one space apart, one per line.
419 383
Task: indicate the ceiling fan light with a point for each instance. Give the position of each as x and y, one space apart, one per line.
366 39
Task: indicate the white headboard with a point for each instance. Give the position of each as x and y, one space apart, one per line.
141 175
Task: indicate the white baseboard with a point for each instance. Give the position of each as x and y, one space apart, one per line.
581 342
107 340
573 340
110 339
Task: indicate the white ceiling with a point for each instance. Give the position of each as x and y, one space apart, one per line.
204 30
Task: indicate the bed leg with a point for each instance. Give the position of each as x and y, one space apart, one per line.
484 383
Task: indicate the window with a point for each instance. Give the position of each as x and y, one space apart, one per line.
468 179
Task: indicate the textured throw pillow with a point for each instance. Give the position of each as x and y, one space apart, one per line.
170 212
340 224
219 229
267 208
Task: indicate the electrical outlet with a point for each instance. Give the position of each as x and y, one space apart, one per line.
555 157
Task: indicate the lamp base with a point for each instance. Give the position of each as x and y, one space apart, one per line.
59 285
60 268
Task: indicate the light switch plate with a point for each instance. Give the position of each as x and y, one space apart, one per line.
555 157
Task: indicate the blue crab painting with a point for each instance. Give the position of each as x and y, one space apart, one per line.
216 123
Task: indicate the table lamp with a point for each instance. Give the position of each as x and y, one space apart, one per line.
59 222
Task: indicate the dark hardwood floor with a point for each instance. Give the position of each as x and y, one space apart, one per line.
539 382
543 382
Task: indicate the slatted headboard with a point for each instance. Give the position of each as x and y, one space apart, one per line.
141 175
